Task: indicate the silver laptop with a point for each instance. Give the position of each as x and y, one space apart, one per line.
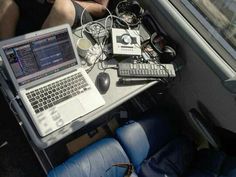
45 69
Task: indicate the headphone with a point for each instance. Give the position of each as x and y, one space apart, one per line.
130 11
161 43
164 46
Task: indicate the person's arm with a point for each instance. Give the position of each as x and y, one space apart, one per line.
96 8
102 2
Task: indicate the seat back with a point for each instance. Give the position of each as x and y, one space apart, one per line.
141 139
95 160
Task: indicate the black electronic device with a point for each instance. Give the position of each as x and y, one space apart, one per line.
103 82
160 41
163 46
145 70
130 11
134 81
151 24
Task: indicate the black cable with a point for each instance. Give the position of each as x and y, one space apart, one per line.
102 51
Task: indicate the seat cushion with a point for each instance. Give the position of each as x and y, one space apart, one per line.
141 139
229 167
134 141
95 160
207 163
174 159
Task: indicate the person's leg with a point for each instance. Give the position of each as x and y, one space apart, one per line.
102 2
82 16
9 15
32 15
63 11
96 8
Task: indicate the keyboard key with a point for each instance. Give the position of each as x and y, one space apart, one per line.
55 93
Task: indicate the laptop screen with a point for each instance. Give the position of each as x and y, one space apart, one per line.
40 56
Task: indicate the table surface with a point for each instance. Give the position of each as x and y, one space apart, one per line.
115 96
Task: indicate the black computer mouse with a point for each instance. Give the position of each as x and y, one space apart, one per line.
103 82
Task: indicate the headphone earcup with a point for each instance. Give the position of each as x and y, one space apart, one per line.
137 9
168 54
131 6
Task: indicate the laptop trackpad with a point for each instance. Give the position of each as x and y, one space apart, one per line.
71 109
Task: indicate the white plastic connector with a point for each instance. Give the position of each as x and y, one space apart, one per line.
94 54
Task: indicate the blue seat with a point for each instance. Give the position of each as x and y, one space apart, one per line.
154 146
95 160
157 149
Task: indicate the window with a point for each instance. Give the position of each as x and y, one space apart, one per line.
215 20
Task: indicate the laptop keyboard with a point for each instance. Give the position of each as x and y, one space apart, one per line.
54 93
